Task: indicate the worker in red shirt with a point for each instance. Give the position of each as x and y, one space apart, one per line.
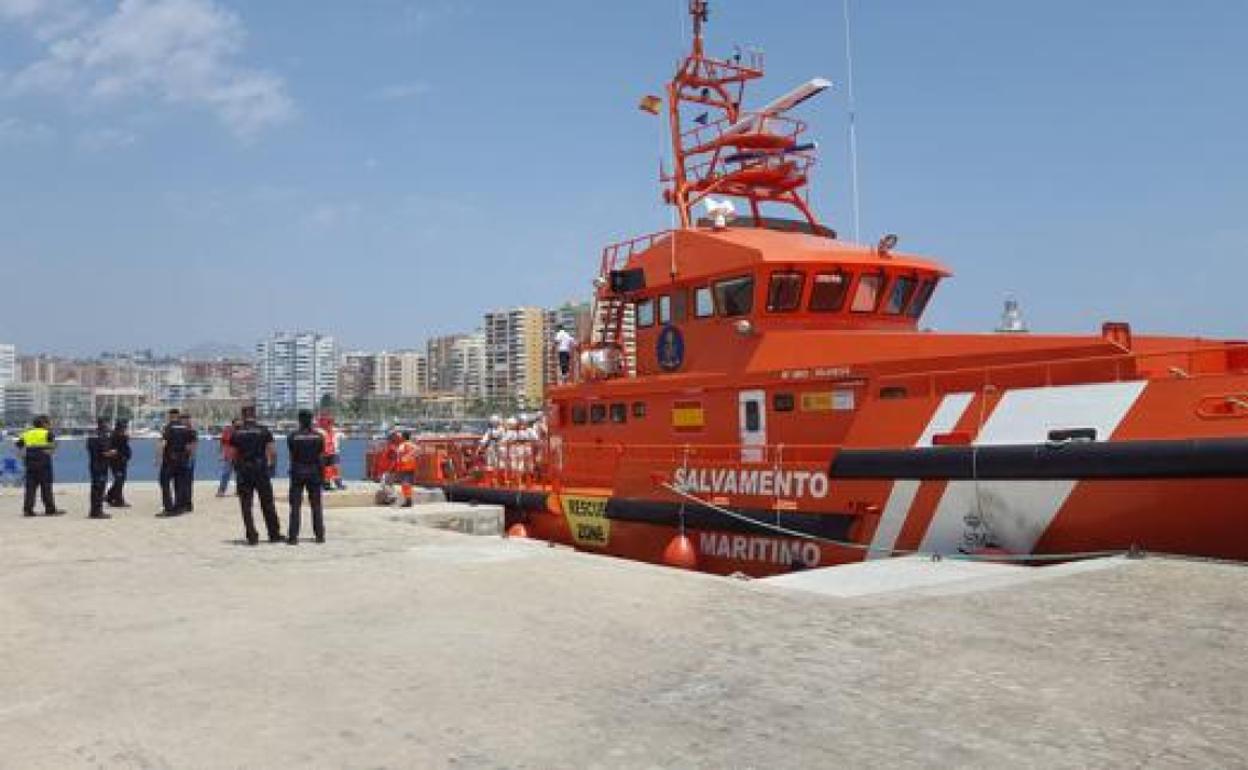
227 455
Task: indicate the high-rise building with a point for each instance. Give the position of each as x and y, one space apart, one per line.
440 354
357 375
515 356
413 366
468 366
363 374
67 404
457 364
295 371
8 364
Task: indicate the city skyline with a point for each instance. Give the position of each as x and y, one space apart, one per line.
453 375
381 191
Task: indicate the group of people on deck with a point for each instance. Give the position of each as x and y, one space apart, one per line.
512 448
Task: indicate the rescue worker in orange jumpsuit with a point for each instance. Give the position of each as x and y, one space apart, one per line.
384 465
405 465
332 475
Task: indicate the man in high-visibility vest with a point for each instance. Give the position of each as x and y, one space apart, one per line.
37 445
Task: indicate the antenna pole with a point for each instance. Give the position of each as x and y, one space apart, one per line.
699 10
853 128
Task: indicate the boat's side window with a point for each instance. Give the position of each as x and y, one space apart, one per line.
899 295
753 416
921 298
639 410
680 301
703 305
579 414
645 313
597 413
665 310
782 402
735 296
867 295
619 413
784 293
827 295
893 392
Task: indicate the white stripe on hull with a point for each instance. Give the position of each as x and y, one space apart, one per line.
1015 514
901 498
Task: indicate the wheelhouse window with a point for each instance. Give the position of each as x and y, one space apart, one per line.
921 298
639 410
899 295
827 295
579 414
784 292
735 297
665 309
703 304
867 295
680 305
619 413
645 313
598 413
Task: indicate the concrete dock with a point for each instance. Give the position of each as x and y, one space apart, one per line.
145 642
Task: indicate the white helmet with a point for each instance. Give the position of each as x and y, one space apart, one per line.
512 422
495 420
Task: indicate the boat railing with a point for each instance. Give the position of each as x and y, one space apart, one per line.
713 175
557 463
1179 363
546 463
616 256
705 138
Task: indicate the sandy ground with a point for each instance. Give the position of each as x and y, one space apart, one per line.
163 643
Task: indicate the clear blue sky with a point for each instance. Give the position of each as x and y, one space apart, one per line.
174 172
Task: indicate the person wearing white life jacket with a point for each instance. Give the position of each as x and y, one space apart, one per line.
509 447
491 441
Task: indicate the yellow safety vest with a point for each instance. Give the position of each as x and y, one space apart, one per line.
37 438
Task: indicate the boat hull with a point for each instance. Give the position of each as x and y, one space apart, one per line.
1046 519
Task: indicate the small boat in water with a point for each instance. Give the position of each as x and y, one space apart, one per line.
757 395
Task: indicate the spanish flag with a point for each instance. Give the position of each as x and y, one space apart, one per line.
651 104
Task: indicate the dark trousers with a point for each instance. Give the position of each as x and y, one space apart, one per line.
38 476
99 481
176 479
312 484
116 492
254 481
565 362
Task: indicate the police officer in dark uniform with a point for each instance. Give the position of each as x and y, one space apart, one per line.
119 465
100 453
255 455
37 445
307 464
177 456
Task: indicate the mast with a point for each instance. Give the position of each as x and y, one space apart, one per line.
722 151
